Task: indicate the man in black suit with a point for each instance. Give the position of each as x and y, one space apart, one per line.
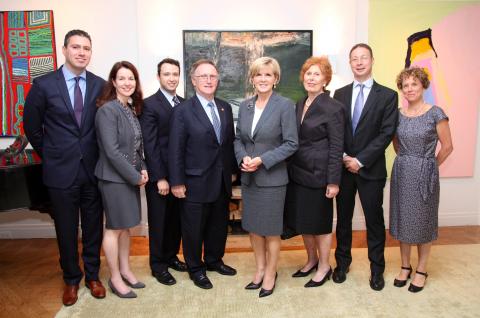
200 161
372 113
163 207
59 123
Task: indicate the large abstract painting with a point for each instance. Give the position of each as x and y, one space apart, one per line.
234 51
27 50
444 43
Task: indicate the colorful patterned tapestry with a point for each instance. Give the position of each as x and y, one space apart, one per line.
27 50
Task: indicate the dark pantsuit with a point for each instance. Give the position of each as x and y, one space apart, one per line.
83 197
163 227
371 197
207 223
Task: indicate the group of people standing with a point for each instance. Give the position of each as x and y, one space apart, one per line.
101 141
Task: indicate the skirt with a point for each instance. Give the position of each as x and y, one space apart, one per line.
263 209
308 210
121 203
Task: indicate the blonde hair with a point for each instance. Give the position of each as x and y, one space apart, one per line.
261 62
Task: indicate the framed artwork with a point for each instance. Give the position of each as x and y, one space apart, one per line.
27 50
234 51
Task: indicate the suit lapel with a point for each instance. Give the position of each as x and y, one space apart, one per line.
89 95
371 100
265 114
202 117
247 119
62 88
164 103
299 109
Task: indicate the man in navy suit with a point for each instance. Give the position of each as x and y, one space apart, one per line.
371 120
200 161
163 207
59 123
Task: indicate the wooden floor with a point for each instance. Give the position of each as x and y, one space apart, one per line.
31 280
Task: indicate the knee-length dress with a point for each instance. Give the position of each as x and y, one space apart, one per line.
414 185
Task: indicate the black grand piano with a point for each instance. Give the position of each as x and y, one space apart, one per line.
21 184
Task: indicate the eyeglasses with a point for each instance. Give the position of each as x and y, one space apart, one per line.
206 77
361 58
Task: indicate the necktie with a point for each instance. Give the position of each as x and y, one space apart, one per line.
357 109
77 101
215 121
175 100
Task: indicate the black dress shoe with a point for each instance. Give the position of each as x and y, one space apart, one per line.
164 277
253 285
414 288
222 269
377 282
339 275
312 283
299 273
401 283
201 280
267 292
178 265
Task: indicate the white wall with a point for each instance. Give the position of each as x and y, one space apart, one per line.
146 31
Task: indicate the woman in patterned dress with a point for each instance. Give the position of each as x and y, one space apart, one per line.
120 171
415 187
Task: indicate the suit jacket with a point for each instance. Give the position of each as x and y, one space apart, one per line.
155 122
116 141
52 129
375 129
318 160
274 140
195 157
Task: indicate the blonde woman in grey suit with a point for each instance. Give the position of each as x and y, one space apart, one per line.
266 135
120 171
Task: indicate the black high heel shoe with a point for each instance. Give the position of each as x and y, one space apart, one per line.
299 273
414 288
312 283
267 292
401 283
253 285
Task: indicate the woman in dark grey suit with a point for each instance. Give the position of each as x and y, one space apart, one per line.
315 169
120 170
266 136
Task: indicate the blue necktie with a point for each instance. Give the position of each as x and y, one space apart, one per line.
357 108
215 120
77 101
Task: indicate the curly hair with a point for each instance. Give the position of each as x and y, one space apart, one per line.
415 72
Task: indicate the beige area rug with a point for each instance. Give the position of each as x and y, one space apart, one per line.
452 290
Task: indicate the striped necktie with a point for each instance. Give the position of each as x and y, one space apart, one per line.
215 121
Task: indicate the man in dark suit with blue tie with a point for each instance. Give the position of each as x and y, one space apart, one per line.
201 160
372 113
163 207
59 123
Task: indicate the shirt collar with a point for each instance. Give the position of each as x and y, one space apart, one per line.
167 95
69 75
368 83
204 101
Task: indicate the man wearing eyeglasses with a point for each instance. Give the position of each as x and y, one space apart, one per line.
372 113
201 161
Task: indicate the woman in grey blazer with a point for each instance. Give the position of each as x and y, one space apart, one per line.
266 135
120 171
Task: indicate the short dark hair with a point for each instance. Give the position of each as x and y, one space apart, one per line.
167 61
109 91
364 45
73 33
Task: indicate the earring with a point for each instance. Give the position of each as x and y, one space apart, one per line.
275 85
253 86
